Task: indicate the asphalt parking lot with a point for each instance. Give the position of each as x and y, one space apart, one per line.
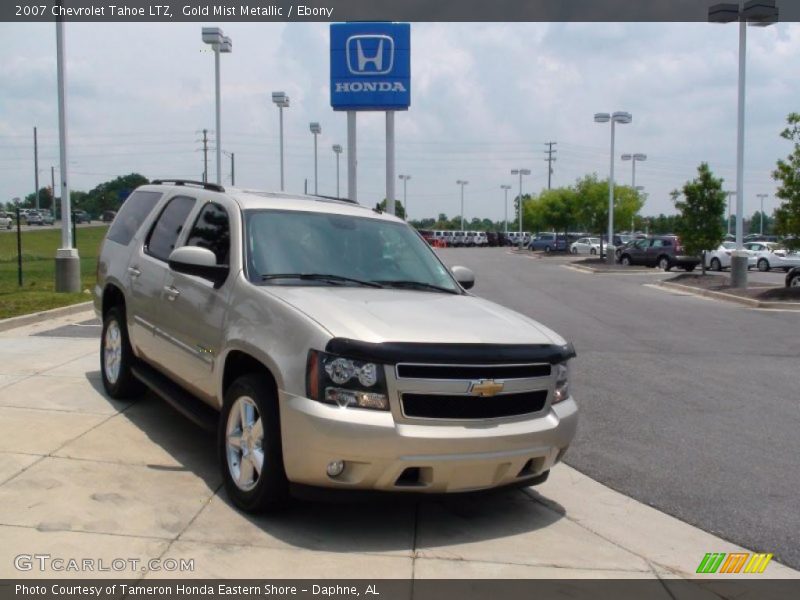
688 404
85 476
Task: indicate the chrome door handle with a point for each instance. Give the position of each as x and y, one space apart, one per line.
134 272
172 292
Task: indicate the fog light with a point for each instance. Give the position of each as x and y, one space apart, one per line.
335 468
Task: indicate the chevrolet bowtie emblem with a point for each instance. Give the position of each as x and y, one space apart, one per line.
486 387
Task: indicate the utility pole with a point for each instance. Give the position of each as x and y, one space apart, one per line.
761 219
728 225
36 165
53 190
550 160
205 155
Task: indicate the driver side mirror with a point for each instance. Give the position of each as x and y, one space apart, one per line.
201 262
464 276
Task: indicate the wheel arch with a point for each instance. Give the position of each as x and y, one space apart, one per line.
238 363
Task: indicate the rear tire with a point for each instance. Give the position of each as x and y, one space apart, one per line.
249 445
795 281
763 265
117 358
663 263
593 251
625 260
716 265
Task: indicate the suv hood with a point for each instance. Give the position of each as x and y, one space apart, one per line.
375 316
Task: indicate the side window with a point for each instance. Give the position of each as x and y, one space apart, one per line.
161 240
666 243
131 216
212 231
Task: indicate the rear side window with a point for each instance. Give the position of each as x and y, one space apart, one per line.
212 231
133 213
161 240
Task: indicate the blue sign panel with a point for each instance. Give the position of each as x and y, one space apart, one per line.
370 66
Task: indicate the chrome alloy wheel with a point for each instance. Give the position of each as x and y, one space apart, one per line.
244 443
112 352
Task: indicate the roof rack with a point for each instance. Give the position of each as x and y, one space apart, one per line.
333 198
214 187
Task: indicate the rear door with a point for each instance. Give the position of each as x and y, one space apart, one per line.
148 270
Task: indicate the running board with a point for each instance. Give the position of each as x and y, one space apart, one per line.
185 403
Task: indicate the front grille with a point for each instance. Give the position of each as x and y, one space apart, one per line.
411 371
446 406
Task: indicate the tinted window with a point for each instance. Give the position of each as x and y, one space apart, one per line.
161 241
131 216
211 230
667 243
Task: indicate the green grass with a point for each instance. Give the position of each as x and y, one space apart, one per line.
38 270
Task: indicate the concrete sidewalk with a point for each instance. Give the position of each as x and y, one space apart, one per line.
82 476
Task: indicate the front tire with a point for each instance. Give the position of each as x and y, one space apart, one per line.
663 263
625 260
593 252
116 357
249 444
763 265
716 265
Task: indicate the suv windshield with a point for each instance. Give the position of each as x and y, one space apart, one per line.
307 248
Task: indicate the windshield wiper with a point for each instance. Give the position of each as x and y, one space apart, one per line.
419 285
320 277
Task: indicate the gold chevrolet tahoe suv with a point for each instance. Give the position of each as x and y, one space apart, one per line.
328 346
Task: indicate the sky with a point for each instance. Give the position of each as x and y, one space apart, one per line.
484 99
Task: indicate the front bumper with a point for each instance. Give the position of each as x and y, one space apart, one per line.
382 454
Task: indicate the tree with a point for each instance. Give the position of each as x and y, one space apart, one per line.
701 210
787 215
399 212
110 195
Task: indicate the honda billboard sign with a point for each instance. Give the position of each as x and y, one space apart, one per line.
370 66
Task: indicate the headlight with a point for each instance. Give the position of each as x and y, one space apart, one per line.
562 382
345 382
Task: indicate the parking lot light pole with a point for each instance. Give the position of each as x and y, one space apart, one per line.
634 158
68 264
315 129
281 100
505 189
623 118
760 13
220 44
337 150
404 179
462 184
520 172
761 214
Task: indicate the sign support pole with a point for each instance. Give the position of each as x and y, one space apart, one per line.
352 187
390 200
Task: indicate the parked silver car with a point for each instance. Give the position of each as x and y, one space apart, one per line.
327 344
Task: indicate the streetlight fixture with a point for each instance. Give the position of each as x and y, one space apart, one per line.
761 213
404 179
623 118
505 189
337 149
281 100
315 129
220 44
462 184
634 158
759 13
520 172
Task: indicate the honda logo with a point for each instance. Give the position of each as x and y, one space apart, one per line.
370 54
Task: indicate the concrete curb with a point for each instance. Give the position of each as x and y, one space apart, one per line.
37 317
587 269
752 303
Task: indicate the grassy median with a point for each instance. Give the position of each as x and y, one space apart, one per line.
38 269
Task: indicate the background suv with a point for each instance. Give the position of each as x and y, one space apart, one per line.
664 252
328 346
